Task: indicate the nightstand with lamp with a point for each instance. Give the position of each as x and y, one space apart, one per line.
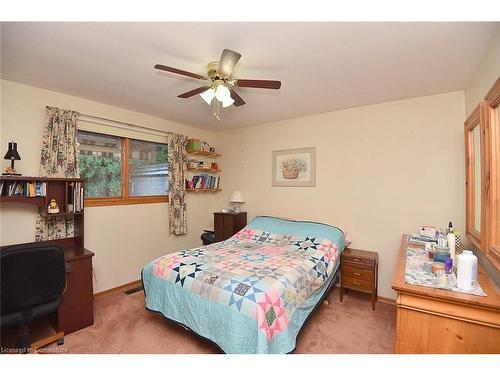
227 223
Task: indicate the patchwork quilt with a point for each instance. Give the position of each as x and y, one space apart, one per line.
266 283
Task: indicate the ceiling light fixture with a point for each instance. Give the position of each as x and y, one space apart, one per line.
219 83
221 94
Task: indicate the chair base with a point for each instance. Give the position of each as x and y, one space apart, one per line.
41 333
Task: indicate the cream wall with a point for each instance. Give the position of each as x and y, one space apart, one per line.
365 159
486 74
123 238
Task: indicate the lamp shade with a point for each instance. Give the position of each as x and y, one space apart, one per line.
237 197
208 95
227 102
12 153
222 93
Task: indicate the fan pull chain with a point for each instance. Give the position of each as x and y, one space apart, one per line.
216 108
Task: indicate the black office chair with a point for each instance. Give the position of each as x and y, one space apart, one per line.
32 285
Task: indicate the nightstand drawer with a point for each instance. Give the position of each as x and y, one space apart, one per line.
357 273
357 260
350 282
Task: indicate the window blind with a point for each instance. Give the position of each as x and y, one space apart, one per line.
117 128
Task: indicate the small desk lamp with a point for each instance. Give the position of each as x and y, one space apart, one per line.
236 198
12 155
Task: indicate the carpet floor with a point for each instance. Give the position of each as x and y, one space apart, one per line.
122 325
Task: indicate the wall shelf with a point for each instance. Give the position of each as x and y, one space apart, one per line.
208 154
203 170
44 213
37 201
203 190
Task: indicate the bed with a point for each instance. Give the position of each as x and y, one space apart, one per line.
253 292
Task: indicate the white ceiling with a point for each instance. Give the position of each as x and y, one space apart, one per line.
322 66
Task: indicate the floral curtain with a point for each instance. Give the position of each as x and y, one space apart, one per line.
177 165
59 159
59 146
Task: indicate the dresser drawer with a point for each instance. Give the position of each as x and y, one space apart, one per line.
350 282
359 273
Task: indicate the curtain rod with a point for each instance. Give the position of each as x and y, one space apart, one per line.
119 124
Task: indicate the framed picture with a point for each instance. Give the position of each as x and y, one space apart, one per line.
294 167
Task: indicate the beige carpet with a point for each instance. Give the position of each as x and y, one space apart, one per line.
122 325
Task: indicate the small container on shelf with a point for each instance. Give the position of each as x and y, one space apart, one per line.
194 145
440 253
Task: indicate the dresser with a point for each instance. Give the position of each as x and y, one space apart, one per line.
359 271
431 320
226 224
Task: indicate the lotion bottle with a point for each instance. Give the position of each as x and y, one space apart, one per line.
467 271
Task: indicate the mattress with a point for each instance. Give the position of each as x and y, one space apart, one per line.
253 292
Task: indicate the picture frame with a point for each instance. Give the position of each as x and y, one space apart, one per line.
294 167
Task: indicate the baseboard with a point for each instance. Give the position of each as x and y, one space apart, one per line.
386 300
126 286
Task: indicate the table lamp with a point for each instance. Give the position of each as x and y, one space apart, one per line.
236 198
12 155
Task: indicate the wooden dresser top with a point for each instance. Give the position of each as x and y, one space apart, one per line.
491 301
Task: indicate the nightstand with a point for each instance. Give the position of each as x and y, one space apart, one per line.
359 271
228 224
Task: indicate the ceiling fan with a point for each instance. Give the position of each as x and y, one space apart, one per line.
219 85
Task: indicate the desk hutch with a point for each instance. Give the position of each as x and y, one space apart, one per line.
76 311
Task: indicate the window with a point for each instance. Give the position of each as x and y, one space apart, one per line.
148 168
121 170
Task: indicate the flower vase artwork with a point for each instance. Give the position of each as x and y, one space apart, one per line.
290 169
295 167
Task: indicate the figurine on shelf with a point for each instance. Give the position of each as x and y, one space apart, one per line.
10 171
53 207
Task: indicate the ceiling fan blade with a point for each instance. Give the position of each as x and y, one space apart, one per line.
258 83
227 62
179 71
191 93
238 100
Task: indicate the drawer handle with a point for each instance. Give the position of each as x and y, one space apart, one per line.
356 274
356 259
356 283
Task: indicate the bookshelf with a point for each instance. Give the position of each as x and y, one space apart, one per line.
39 191
206 181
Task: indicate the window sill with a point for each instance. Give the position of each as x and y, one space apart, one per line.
99 202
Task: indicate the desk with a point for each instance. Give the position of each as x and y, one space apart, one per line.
431 320
77 310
